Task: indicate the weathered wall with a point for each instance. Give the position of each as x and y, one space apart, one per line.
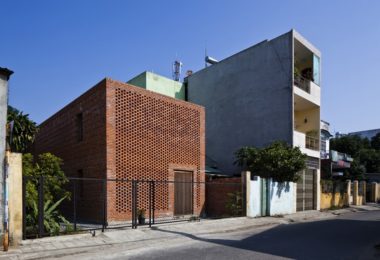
14 161
270 198
329 200
4 77
248 99
281 198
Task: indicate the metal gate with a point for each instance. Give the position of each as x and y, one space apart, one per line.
305 190
183 193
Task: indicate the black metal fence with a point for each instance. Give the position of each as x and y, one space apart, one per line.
90 204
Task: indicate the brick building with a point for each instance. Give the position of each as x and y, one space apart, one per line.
119 131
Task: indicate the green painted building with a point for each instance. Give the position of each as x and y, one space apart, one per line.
159 84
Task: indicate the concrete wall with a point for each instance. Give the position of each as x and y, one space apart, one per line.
14 161
280 198
374 192
4 77
248 99
159 84
329 200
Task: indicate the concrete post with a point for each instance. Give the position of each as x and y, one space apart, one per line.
364 190
348 193
246 178
14 161
374 192
355 194
4 77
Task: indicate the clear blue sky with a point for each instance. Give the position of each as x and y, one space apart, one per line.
59 49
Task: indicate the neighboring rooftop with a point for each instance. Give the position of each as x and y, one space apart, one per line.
159 84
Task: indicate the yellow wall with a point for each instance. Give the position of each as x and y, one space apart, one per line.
327 200
15 197
312 116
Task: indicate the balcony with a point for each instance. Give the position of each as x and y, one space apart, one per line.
312 143
307 144
302 83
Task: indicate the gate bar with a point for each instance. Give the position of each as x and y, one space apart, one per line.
104 204
41 206
75 205
23 208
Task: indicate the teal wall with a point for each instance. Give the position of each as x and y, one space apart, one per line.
159 84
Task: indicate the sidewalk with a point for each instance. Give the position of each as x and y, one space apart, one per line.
62 246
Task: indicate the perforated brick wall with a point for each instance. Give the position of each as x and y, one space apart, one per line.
154 136
128 133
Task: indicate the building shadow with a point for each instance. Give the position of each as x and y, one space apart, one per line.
327 239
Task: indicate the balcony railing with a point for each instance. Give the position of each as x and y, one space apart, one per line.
302 83
312 143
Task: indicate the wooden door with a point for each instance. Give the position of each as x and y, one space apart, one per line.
183 193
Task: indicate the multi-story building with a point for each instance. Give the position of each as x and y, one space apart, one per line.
267 92
117 131
325 139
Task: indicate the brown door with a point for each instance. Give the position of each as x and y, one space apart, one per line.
183 193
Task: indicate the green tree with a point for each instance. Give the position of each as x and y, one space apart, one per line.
366 154
375 142
370 159
349 144
48 166
279 161
23 130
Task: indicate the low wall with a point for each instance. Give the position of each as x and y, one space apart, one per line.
282 199
374 192
217 195
269 198
329 200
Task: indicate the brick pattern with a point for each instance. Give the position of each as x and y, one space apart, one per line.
128 133
154 135
217 191
58 135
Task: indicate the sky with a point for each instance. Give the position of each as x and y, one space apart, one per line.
59 49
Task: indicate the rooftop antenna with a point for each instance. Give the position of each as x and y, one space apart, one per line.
205 57
177 67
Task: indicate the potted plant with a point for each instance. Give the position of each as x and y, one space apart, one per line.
141 216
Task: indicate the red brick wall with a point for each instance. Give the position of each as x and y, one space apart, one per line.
148 137
217 195
129 133
58 135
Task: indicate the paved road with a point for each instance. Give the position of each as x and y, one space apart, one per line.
351 236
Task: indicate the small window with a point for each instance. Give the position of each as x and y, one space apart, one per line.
79 123
80 183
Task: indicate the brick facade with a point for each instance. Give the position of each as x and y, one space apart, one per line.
128 133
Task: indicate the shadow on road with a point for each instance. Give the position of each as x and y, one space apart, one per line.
327 239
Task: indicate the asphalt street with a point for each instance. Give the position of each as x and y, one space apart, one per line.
351 236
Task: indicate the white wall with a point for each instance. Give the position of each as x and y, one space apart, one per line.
281 196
